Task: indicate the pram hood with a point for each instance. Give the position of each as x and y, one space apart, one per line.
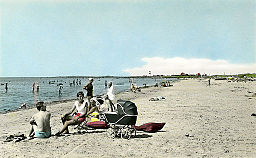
126 113
126 107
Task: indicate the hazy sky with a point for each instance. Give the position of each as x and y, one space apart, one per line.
126 37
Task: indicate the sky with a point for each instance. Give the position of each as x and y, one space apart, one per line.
126 37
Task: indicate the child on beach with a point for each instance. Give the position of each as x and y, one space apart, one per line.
40 122
79 110
133 88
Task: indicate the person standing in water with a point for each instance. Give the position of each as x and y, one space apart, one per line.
6 87
106 83
60 89
35 87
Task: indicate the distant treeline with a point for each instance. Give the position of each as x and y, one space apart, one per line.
168 76
238 76
247 75
215 76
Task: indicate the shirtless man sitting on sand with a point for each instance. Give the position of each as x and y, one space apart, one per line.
40 122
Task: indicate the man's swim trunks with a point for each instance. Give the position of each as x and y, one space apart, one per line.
42 134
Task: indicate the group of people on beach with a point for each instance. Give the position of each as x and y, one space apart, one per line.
82 108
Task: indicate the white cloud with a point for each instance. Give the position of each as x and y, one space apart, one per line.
176 65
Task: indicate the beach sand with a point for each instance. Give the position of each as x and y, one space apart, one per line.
201 121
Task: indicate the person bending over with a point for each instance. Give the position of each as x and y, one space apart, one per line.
76 115
40 122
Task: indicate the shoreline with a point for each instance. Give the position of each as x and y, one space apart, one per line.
201 121
51 103
9 106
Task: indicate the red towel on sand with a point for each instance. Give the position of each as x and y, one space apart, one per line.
150 127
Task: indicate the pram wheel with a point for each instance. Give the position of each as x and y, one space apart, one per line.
124 132
111 132
127 132
121 121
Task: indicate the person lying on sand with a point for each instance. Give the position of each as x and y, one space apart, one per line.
159 98
79 111
40 122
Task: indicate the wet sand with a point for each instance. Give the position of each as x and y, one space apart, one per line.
201 121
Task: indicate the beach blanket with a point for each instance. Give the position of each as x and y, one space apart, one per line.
150 127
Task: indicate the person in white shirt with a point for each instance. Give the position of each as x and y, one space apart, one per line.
110 96
77 115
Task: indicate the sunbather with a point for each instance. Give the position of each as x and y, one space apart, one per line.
40 122
96 107
77 115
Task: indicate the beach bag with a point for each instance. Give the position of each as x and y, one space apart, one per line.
97 124
150 127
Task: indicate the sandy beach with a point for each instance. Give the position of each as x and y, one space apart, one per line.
201 121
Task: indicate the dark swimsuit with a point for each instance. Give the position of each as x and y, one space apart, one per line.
89 89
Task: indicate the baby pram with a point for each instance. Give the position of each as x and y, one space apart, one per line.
122 121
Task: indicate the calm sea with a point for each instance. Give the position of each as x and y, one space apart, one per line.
20 89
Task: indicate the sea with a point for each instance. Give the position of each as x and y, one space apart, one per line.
19 89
